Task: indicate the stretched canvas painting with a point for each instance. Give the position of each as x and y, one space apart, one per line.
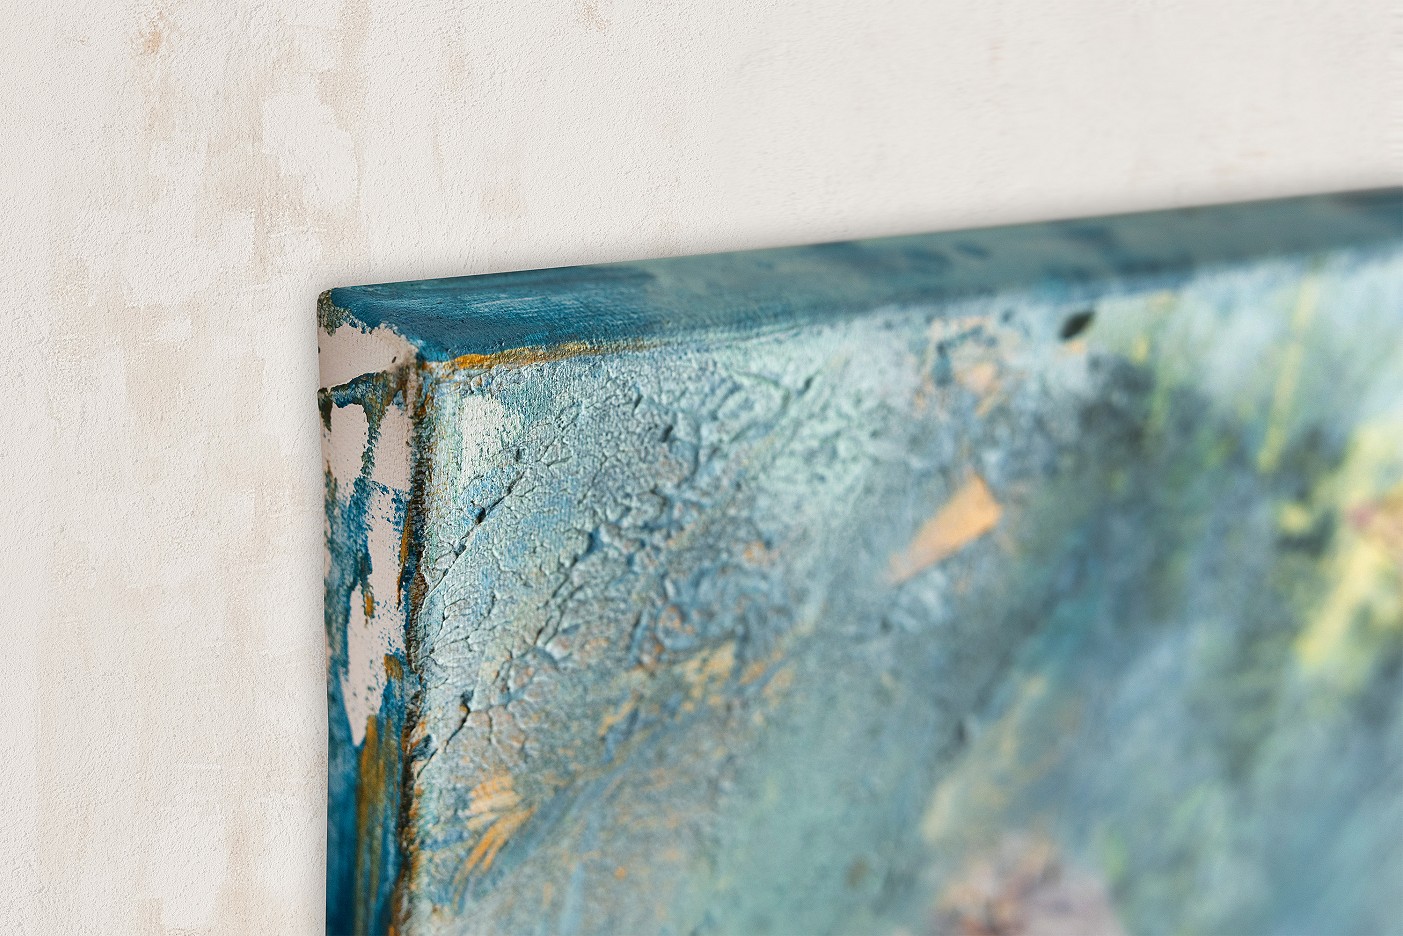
1037 579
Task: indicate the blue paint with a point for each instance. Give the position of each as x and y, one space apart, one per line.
359 887
724 293
681 656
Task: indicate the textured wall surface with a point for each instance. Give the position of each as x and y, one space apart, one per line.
180 180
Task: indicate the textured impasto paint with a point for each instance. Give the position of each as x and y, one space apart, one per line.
997 581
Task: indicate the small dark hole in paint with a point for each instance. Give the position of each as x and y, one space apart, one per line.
1075 324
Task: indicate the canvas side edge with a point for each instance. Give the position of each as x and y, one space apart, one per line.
368 401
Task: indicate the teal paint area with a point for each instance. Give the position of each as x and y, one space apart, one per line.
718 295
364 779
1043 579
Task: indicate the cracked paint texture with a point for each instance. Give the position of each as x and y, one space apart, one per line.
1038 576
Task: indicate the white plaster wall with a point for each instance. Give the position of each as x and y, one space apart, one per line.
180 179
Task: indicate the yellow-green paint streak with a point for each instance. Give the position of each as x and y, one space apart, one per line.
1288 376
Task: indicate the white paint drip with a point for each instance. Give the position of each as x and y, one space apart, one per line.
376 626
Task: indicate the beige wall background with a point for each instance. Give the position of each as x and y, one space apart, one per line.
180 180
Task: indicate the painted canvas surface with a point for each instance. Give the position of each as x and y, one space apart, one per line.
1035 579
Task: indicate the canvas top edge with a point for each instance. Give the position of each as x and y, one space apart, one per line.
725 294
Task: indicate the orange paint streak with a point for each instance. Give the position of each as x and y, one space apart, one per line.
520 357
405 539
618 715
967 516
498 812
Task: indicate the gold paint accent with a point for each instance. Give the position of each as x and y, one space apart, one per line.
757 553
520 357
618 715
498 813
967 516
753 672
379 760
779 684
706 673
981 378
